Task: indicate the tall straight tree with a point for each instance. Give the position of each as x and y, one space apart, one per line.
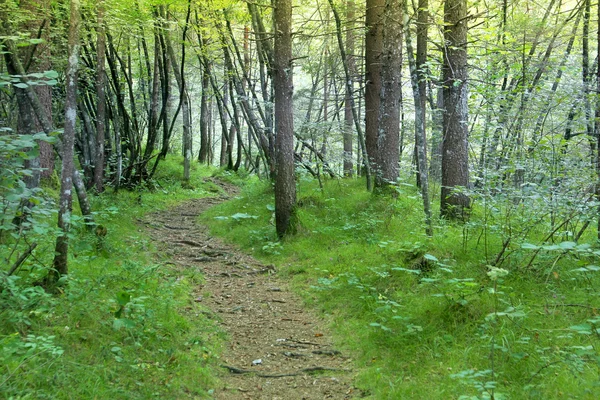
348 118
418 86
388 137
597 127
101 106
60 266
373 49
421 100
455 161
353 109
285 184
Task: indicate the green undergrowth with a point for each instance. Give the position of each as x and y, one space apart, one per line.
449 317
124 324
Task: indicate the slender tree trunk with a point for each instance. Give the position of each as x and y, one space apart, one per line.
586 74
225 105
597 125
204 117
419 100
247 64
60 265
153 111
101 106
373 50
455 162
348 119
437 116
421 70
285 183
179 72
355 112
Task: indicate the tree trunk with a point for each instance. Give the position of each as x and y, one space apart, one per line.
285 183
373 50
455 162
348 119
388 138
355 113
597 126
419 101
421 72
179 72
101 106
437 116
225 105
60 266
204 117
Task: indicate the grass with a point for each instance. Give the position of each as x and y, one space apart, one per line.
428 317
125 325
422 317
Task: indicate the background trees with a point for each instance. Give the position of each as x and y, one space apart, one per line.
502 98
153 72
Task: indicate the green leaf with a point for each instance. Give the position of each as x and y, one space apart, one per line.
123 298
529 246
567 245
51 74
21 85
412 271
589 268
430 257
240 216
584 329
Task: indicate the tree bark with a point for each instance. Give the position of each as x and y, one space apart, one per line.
285 184
179 72
455 162
597 127
388 137
373 50
348 118
101 106
60 265
204 117
355 112
419 101
421 72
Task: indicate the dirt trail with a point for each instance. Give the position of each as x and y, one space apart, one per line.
275 348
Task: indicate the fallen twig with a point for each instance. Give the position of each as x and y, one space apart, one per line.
303 371
22 259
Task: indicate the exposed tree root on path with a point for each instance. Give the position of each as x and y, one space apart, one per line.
261 316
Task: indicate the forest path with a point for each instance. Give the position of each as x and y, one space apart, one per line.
275 349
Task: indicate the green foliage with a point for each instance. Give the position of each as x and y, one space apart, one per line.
16 199
123 325
433 317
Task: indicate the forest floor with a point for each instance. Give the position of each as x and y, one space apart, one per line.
275 348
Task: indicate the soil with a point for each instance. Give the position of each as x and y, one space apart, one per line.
275 349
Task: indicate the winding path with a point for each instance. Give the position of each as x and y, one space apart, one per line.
276 349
